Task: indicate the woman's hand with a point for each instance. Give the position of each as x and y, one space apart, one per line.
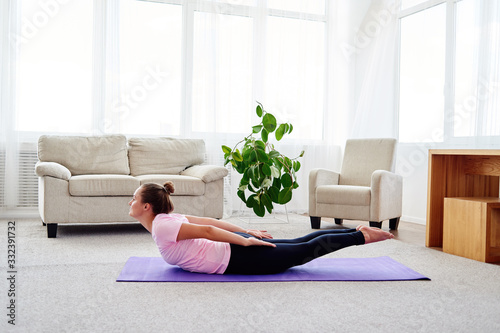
254 241
259 233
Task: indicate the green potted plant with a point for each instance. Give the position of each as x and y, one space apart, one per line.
268 175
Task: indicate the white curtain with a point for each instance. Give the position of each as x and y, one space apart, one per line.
376 57
488 73
274 53
9 143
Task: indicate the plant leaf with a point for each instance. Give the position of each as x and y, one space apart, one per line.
275 173
286 180
237 156
273 193
253 156
280 132
226 149
266 200
259 209
266 169
241 195
251 201
296 165
258 110
269 122
260 145
266 183
257 128
274 154
262 156
285 195
264 135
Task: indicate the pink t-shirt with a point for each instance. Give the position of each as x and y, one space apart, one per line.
195 255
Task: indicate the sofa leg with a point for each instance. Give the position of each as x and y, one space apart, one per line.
51 230
376 224
394 223
315 222
338 221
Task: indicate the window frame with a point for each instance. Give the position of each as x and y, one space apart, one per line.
445 135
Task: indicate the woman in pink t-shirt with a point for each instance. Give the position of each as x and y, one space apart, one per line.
206 245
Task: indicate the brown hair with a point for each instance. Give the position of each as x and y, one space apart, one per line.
158 197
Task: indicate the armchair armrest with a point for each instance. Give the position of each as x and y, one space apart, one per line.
52 169
386 195
323 177
319 177
207 173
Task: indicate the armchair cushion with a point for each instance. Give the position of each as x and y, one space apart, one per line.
164 155
343 195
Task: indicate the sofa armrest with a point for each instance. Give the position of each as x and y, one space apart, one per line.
52 169
207 173
386 195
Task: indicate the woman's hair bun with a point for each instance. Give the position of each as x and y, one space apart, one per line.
169 187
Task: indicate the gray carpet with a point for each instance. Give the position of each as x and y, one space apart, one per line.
68 284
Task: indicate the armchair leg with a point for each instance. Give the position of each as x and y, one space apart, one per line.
338 221
315 222
51 230
376 224
394 223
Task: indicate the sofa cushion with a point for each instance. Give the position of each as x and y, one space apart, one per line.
149 156
102 185
343 195
184 185
86 155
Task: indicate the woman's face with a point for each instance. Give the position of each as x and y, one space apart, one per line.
136 204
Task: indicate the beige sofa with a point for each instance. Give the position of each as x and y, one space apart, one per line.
91 179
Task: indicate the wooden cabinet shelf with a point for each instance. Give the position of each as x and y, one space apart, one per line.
458 173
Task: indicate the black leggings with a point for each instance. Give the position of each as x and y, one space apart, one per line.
289 252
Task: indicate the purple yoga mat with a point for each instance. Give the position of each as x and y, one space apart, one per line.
154 269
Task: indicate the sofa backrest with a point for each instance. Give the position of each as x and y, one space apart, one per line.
86 154
164 155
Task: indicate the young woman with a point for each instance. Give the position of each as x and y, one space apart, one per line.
207 245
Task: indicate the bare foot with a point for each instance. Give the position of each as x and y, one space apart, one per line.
373 235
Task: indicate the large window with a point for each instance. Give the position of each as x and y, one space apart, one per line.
150 49
54 79
170 67
294 76
422 73
223 70
449 71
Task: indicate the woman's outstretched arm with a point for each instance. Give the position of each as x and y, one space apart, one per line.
190 231
227 226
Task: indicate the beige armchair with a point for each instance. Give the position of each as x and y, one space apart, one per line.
366 189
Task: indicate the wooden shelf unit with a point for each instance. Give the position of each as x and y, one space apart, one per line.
458 173
471 228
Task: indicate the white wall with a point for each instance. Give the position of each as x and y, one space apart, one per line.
412 165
